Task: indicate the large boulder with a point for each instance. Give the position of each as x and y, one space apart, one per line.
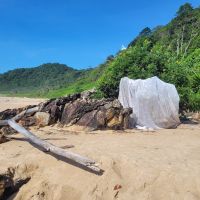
42 119
55 107
53 111
101 118
89 119
97 114
73 111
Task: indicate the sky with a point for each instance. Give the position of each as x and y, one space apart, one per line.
79 33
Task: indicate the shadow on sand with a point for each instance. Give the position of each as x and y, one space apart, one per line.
60 158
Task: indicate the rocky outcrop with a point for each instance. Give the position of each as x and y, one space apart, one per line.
6 130
42 119
97 114
3 138
27 120
77 109
9 113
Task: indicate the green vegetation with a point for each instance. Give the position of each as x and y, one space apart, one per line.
48 80
171 52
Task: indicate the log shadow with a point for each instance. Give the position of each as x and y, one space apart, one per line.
71 162
61 158
27 140
55 139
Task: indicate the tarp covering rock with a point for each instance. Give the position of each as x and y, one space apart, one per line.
155 103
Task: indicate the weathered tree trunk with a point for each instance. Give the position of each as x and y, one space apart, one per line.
25 112
177 47
187 46
182 39
83 161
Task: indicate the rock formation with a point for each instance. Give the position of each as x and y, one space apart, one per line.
3 139
77 109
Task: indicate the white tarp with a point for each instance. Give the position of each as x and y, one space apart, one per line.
155 103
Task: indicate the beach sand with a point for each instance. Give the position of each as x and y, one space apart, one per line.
160 165
17 102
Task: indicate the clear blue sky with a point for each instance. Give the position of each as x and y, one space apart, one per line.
79 33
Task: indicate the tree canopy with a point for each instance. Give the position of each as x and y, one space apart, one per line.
184 9
171 52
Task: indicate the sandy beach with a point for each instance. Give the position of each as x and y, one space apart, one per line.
17 102
137 165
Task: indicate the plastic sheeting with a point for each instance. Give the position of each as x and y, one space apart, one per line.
155 103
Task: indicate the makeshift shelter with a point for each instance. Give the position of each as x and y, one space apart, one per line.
155 103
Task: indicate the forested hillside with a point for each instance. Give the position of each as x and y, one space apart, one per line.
48 80
171 52
46 76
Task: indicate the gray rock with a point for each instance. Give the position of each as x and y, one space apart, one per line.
116 104
101 119
73 111
110 113
42 118
108 105
89 119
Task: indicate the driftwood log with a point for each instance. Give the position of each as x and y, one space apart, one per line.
25 112
81 160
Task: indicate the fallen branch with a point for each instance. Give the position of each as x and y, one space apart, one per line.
25 112
84 161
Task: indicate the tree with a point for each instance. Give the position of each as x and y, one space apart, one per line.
184 9
145 32
172 53
109 58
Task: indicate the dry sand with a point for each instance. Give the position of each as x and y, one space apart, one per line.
16 102
159 165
